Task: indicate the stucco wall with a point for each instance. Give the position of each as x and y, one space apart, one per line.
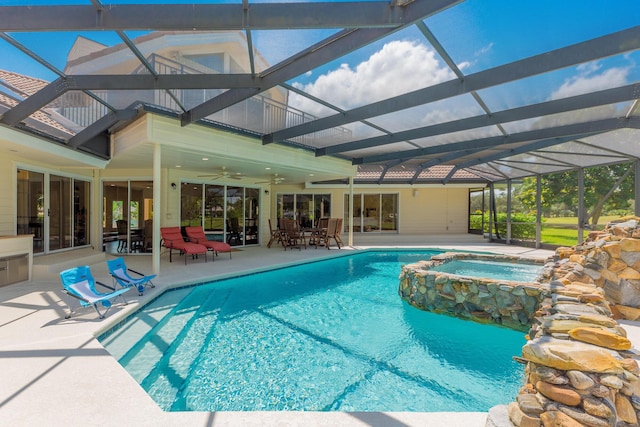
422 210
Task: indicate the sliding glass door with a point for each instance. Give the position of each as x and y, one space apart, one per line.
54 208
226 213
127 217
374 212
306 208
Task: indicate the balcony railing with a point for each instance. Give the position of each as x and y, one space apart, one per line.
260 114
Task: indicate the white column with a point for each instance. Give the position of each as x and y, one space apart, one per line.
350 211
157 214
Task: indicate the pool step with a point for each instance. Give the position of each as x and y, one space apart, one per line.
178 359
141 357
120 341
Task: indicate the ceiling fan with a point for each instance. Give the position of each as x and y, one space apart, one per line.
224 173
275 180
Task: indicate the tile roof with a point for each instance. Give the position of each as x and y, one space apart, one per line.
22 85
39 117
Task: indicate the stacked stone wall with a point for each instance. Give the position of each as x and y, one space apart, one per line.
580 366
509 303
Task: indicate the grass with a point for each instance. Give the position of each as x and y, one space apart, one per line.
566 236
572 220
559 236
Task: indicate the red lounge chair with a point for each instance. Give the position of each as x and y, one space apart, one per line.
172 239
196 235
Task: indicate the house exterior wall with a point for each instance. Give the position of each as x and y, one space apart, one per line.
433 209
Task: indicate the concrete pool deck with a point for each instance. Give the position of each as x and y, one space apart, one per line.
54 371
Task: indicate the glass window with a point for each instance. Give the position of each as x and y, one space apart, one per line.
322 206
228 213
127 216
81 221
251 211
30 207
214 212
306 208
389 212
286 207
190 204
372 212
476 211
235 215
59 212
58 218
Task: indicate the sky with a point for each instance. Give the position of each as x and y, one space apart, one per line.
477 34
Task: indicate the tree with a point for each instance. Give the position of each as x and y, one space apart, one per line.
560 191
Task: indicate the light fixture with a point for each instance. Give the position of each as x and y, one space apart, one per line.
415 192
173 185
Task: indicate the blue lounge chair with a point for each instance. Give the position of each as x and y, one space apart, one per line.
78 284
120 273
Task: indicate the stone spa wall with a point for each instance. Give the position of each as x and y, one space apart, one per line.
509 303
580 368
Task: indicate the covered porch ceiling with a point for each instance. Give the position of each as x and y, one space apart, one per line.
409 92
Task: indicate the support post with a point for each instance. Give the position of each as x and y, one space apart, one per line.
581 212
508 236
351 211
538 210
157 193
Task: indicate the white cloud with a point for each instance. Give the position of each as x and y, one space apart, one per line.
397 68
589 80
464 65
484 49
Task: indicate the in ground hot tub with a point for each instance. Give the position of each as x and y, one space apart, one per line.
482 287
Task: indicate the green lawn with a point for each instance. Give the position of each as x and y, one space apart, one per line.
566 236
572 220
559 236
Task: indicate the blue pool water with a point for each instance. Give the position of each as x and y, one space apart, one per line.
491 269
326 336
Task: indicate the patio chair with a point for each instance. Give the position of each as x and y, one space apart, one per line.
147 244
316 233
196 235
172 239
233 231
332 231
120 274
275 235
121 225
293 236
79 284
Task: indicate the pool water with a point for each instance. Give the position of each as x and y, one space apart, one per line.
491 269
324 336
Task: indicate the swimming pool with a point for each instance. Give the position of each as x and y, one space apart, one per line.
325 336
